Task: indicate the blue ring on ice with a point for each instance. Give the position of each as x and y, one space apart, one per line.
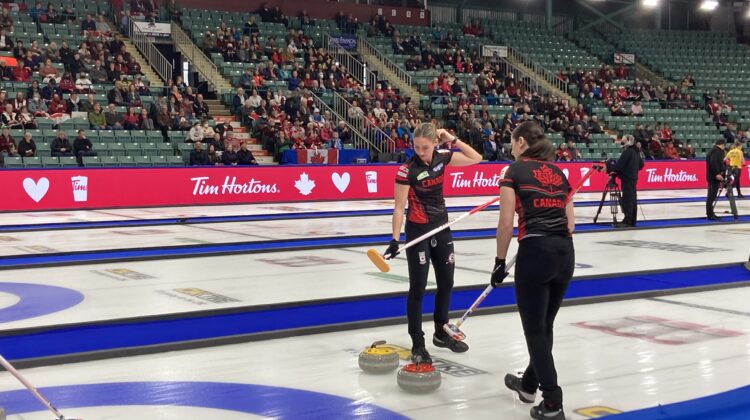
37 300
261 400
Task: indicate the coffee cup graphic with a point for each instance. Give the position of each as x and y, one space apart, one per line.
80 188
371 177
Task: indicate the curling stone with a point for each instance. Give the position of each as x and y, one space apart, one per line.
376 359
419 378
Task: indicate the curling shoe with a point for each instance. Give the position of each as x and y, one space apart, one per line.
450 343
545 412
515 384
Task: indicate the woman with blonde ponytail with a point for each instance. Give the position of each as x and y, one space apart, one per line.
419 182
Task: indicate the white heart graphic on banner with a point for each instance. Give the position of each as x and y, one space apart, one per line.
36 190
341 181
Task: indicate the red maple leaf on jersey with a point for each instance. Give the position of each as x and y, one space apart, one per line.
547 177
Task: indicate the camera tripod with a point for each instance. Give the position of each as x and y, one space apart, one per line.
728 185
615 195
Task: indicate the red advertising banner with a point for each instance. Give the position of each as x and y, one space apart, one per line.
58 189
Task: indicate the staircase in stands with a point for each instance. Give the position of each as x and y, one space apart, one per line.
221 113
156 83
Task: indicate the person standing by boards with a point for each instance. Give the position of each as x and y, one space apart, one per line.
538 191
419 182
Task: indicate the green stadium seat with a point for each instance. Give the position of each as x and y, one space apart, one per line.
92 161
13 162
50 162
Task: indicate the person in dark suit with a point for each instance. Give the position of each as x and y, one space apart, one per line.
245 156
198 156
83 147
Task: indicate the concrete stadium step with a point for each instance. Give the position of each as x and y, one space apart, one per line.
265 160
154 80
257 148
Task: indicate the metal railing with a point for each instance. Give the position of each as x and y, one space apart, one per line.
154 58
205 67
372 132
538 70
356 68
367 48
522 77
359 141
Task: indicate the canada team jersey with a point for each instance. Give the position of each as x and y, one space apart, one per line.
541 195
426 201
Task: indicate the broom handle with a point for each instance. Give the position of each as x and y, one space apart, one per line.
481 207
448 224
484 294
30 387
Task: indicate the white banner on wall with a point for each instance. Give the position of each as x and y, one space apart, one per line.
500 51
623 58
160 30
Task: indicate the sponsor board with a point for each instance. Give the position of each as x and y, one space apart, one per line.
624 58
395 278
37 249
496 51
596 411
658 330
318 232
197 296
345 42
733 231
301 261
192 241
664 246
122 274
48 189
287 209
140 232
154 29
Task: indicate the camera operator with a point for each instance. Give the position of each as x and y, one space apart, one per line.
626 168
715 169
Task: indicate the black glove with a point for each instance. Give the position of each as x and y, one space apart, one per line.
392 250
498 273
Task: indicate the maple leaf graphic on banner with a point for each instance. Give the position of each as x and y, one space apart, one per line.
317 158
304 184
547 177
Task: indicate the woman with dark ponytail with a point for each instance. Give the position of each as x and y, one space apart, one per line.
538 190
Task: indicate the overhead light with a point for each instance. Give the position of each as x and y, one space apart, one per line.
709 5
650 3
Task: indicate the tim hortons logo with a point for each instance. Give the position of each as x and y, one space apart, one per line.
547 177
202 186
670 176
459 181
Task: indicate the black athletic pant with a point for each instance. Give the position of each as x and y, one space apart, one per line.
713 191
629 201
439 251
544 267
737 176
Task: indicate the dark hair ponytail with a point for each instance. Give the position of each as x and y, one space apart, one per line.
539 147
